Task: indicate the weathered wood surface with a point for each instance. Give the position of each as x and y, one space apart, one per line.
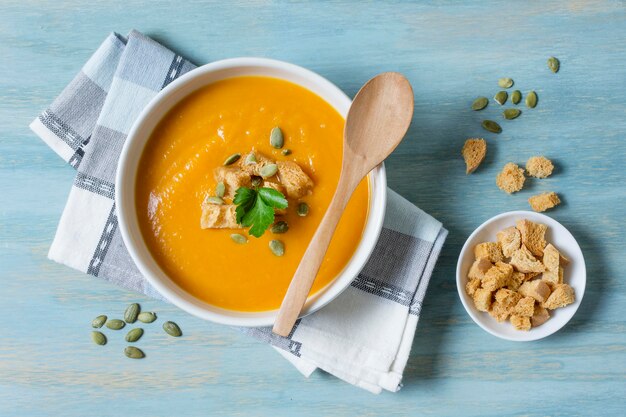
451 52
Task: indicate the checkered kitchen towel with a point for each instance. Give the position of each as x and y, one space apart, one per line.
363 337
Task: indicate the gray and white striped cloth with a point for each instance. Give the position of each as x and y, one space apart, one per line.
363 337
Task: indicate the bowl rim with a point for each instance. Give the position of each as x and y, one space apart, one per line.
471 310
125 199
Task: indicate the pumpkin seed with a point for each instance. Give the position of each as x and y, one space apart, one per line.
172 329
303 209
269 170
531 100
554 64
146 317
276 138
232 159
491 126
134 334
98 338
510 114
280 227
131 313
250 159
98 321
239 238
133 352
220 189
505 82
286 152
516 97
115 324
480 103
277 247
214 200
501 97
256 181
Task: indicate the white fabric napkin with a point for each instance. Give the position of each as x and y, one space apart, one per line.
363 337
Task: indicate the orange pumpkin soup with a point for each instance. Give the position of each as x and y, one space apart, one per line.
176 174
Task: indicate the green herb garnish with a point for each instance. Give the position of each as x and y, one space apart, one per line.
255 208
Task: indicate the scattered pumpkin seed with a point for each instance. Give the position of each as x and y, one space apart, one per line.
214 200
491 126
531 100
510 114
98 321
286 152
172 329
220 189
133 352
269 170
250 159
131 313
115 324
146 317
554 64
277 247
98 338
280 227
303 209
516 96
239 238
256 181
501 97
134 334
505 82
232 159
276 138
480 103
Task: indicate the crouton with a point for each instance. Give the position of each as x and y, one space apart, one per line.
472 285
530 275
253 161
218 216
533 236
497 276
482 299
489 250
479 268
233 178
562 295
499 311
540 316
525 307
544 201
515 280
524 261
536 289
539 167
473 152
509 240
511 178
507 297
520 322
297 184
552 263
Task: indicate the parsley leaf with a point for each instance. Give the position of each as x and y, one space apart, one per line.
255 208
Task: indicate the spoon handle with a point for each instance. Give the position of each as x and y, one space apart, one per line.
304 277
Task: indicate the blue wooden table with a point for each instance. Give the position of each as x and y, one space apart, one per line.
451 52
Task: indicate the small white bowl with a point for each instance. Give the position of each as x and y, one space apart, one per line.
574 274
127 172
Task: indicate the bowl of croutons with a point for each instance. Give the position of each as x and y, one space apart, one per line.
521 276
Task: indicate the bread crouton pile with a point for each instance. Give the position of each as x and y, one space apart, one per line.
519 277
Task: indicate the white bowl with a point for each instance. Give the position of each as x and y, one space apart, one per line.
574 274
127 172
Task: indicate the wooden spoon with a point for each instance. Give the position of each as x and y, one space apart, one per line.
377 121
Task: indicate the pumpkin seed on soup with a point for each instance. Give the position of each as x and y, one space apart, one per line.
276 138
510 114
115 324
220 189
277 247
134 334
146 317
131 313
286 152
250 159
554 64
480 103
303 209
133 352
232 159
98 321
256 181
214 200
269 170
505 82
491 126
531 100
172 329
98 338
501 97
516 97
279 227
239 238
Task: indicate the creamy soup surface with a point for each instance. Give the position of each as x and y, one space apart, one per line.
176 173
